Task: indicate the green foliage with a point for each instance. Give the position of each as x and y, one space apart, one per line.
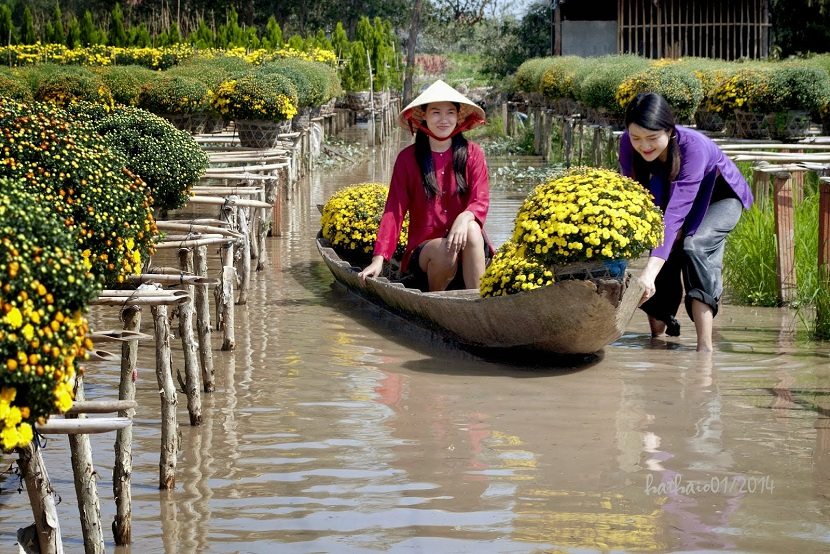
125 81
269 96
64 84
559 75
47 287
117 31
174 94
89 32
340 41
27 30
314 81
355 74
73 169
12 87
603 76
168 160
273 34
211 70
681 88
796 86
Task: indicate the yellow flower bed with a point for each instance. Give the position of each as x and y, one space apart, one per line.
352 215
588 215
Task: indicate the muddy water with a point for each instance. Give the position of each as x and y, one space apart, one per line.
335 428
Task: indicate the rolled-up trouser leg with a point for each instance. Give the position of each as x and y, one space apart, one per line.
703 270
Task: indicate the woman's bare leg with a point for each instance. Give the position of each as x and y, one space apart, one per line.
703 325
472 256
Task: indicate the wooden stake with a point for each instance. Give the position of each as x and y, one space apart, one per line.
191 360
785 234
202 305
33 470
123 469
86 489
167 391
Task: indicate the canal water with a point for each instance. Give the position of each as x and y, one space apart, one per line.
336 428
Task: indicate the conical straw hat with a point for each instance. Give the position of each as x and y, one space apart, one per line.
470 114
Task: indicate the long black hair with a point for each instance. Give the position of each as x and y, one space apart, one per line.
651 111
423 155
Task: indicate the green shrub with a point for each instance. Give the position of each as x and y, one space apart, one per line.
11 86
679 87
63 85
603 76
125 81
168 160
47 287
797 87
173 94
746 89
211 70
72 168
559 76
529 74
312 79
269 97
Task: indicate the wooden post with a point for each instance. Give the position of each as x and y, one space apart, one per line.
224 299
41 498
200 298
822 310
191 360
245 258
785 235
86 488
167 391
122 472
760 183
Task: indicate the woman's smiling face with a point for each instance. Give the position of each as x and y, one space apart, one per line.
650 144
441 118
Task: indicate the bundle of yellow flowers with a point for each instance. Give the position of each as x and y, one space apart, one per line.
511 271
352 215
45 288
588 215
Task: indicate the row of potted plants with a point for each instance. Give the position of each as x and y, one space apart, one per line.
709 92
200 94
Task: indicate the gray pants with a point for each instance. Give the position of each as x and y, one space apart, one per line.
697 267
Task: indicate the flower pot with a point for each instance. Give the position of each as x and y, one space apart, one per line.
709 121
180 121
788 125
750 125
258 133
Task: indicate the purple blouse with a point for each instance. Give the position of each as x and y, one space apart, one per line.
686 199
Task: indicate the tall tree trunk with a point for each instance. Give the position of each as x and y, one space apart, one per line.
414 28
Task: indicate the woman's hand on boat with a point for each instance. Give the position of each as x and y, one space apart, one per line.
372 270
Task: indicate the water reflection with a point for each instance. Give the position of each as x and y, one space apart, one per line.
336 428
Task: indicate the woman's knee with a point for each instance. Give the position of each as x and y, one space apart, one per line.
475 238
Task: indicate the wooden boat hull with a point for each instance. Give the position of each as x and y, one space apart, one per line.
569 317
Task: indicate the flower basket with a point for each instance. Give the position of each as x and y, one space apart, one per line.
359 100
601 116
302 120
750 125
709 121
328 107
788 125
180 121
258 133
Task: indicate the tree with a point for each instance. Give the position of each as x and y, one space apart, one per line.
58 33
73 33
27 30
514 42
273 33
89 31
414 28
117 32
8 32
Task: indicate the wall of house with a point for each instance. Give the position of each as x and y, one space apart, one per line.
589 38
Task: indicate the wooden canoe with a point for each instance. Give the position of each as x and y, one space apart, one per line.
577 316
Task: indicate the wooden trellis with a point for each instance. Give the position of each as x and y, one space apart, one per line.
706 28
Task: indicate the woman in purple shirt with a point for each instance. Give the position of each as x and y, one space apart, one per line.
702 194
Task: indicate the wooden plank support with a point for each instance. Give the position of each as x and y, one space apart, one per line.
41 497
167 392
123 468
83 471
62 426
823 310
203 330
100 406
785 235
193 385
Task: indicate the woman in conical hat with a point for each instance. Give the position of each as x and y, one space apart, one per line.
441 181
